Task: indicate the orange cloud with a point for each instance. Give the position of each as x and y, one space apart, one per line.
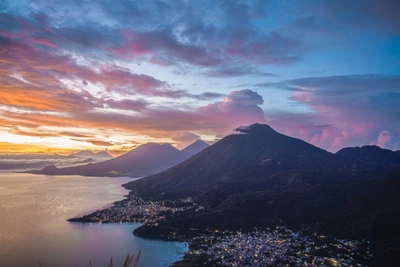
220 118
12 148
46 89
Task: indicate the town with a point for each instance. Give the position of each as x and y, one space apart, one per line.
280 247
135 209
268 247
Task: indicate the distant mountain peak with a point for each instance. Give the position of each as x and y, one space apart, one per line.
195 148
237 157
154 146
83 153
50 168
90 154
103 154
144 160
198 142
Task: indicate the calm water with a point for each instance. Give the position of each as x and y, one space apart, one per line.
33 226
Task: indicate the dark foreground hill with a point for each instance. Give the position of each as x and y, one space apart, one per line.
260 177
145 160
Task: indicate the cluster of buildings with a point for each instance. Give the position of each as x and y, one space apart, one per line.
135 209
280 247
276 247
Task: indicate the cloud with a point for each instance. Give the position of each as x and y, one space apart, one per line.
184 139
357 95
348 110
237 102
237 108
379 13
27 96
126 104
37 133
189 37
165 45
76 134
388 139
100 143
37 83
219 118
71 69
205 96
212 35
326 21
235 71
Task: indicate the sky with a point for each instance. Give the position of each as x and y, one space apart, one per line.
99 75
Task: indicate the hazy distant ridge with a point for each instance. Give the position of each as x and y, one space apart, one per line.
144 160
91 154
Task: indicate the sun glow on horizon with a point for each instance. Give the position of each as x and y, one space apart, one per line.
69 80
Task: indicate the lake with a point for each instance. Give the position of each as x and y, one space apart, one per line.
34 230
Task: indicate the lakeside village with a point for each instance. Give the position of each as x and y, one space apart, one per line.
269 247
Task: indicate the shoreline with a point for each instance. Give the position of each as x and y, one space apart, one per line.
132 209
268 246
205 245
46 234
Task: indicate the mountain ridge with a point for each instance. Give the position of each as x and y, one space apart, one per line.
261 178
371 154
246 150
90 154
144 160
194 148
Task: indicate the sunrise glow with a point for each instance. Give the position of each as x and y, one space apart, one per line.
85 75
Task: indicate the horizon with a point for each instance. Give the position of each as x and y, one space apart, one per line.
114 155
72 151
77 76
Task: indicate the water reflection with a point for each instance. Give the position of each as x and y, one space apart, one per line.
33 226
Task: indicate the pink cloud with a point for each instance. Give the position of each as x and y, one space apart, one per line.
183 139
384 138
134 44
163 48
182 126
126 104
43 41
237 108
388 139
348 110
45 69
